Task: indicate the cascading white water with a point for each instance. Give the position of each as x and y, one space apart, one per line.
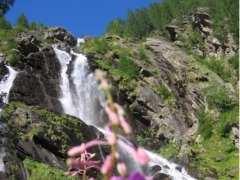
6 84
5 87
81 98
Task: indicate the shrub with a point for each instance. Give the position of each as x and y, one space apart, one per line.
126 68
4 24
205 124
234 62
219 98
96 45
220 67
164 92
143 55
13 57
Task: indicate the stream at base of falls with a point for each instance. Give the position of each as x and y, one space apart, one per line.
81 98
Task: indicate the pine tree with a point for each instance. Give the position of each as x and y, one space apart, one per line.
4 24
22 22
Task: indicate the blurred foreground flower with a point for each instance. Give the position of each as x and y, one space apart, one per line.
80 160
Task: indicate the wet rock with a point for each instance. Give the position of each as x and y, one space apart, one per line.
155 169
161 176
3 70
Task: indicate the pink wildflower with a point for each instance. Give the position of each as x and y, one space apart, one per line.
107 165
111 138
126 127
122 169
81 164
141 156
112 116
78 150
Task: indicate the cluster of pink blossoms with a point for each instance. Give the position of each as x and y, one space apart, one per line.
81 161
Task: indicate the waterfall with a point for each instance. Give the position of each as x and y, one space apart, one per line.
5 87
81 98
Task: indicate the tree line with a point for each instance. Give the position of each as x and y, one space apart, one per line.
143 22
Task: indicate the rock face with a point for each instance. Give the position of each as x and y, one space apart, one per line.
27 43
11 167
161 102
200 22
42 135
38 80
172 64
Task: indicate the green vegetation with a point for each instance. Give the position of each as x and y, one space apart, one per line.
40 171
164 92
7 41
61 131
125 68
234 62
219 98
170 150
116 59
143 22
22 23
143 54
215 153
96 45
224 68
8 36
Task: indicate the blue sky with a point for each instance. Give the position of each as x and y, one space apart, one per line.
81 17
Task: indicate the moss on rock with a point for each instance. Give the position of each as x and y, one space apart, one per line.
54 131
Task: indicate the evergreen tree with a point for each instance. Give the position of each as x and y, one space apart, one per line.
22 22
140 23
4 24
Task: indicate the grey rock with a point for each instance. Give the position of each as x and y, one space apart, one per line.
58 34
11 166
38 83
